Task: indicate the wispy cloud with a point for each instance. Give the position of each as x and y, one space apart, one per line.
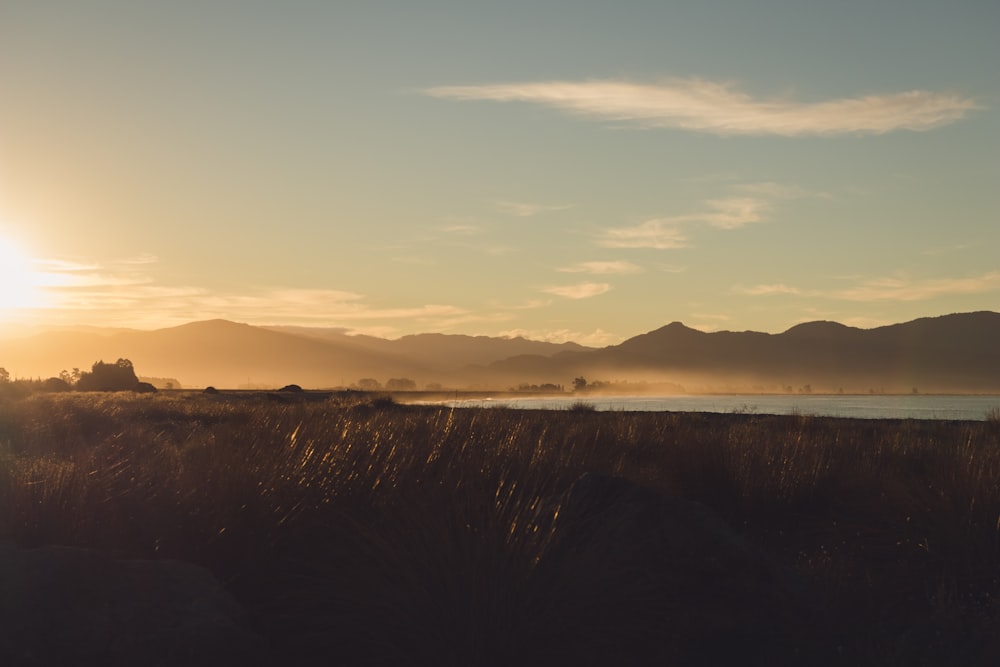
746 204
708 321
665 233
532 304
595 338
527 210
602 268
863 322
461 229
414 260
903 289
579 291
60 273
670 268
942 250
886 288
661 234
160 305
730 213
720 108
140 260
765 290
127 293
779 190
61 266
845 318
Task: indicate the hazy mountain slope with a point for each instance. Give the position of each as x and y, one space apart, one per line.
215 352
958 352
950 353
228 354
450 352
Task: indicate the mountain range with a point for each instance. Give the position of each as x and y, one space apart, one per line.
229 354
950 353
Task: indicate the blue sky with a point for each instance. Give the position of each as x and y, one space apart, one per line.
563 170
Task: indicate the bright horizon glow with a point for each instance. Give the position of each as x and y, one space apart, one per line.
18 281
578 171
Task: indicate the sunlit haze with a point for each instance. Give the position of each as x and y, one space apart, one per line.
18 291
582 171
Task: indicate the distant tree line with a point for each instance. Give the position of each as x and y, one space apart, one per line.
117 376
547 388
392 384
583 386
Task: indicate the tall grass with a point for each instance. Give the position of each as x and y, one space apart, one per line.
373 533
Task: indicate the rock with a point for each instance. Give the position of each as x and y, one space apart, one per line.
69 606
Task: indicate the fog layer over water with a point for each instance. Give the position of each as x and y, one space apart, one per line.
863 406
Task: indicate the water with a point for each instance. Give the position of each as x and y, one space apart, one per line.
864 406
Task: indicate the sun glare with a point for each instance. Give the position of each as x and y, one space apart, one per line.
18 288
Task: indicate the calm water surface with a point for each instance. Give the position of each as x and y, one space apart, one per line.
864 406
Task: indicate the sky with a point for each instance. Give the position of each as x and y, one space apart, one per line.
583 171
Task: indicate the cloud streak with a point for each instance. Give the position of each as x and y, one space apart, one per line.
765 290
579 291
660 234
901 289
124 292
746 204
665 233
527 210
729 213
603 268
886 289
596 338
720 108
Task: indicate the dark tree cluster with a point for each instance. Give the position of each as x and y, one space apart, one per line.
119 376
547 387
400 384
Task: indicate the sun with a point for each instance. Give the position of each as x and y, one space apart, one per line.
18 280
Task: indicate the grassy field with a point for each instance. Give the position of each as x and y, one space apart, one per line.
358 531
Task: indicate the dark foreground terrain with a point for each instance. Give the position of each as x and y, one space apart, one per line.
208 529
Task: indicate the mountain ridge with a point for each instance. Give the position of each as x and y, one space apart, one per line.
957 352
947 353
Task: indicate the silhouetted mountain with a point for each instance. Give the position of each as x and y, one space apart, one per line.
228 354
215 352
450 352
950 353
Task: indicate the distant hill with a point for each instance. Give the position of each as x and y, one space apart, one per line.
951 353
228 354
448 352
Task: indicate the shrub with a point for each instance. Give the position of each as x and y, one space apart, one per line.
119 376
55 385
